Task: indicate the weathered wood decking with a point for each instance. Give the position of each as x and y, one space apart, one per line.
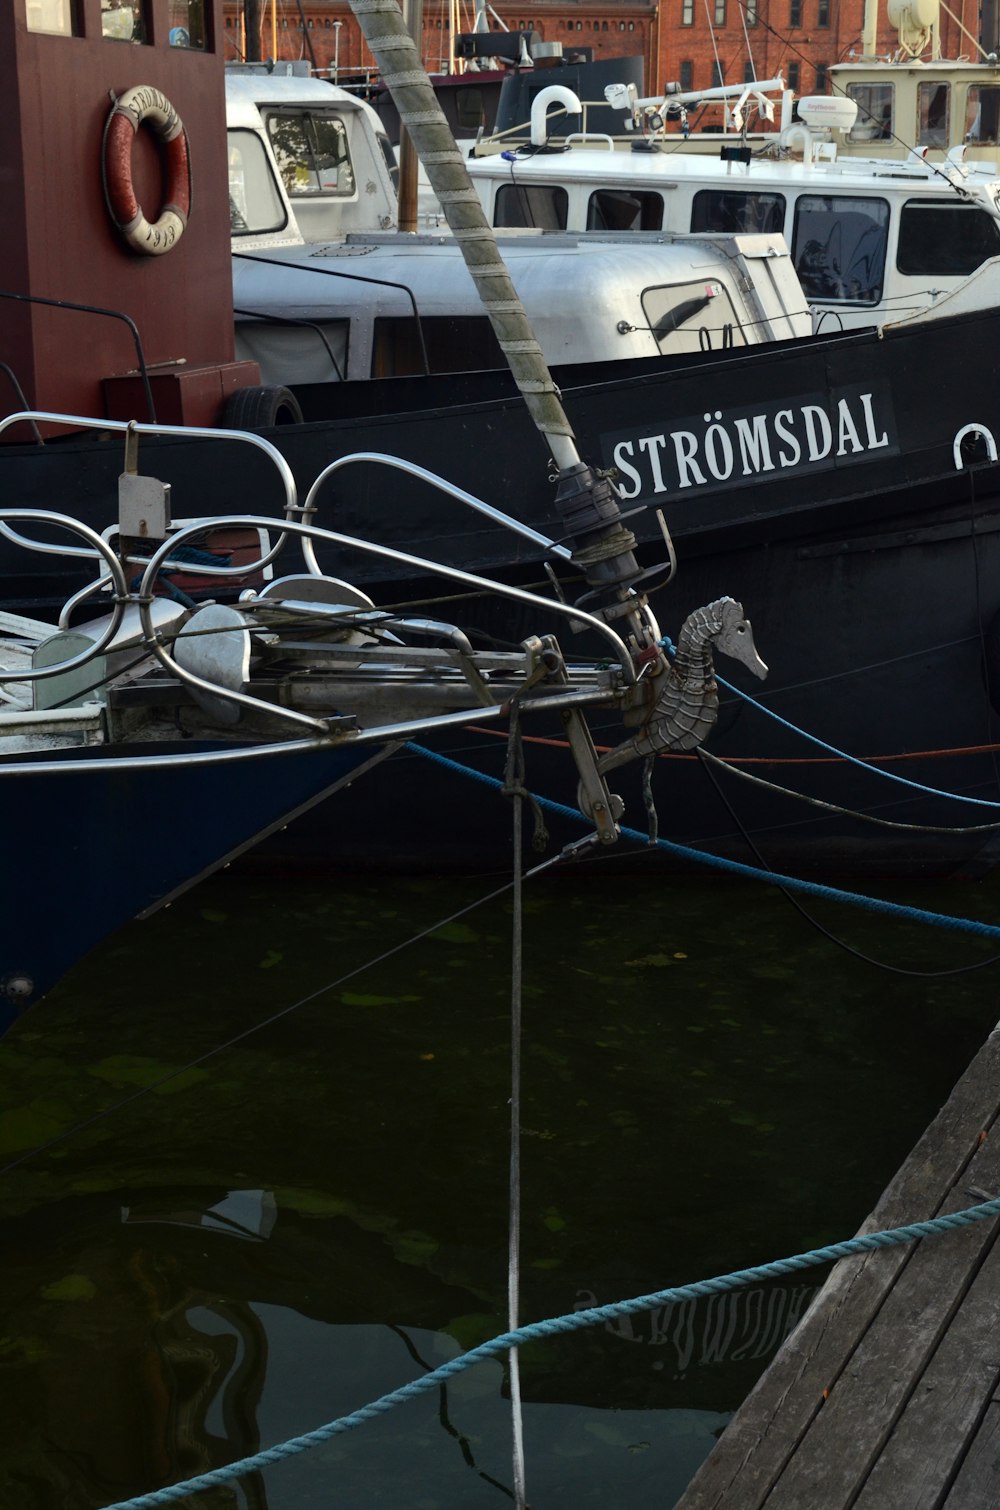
888 1393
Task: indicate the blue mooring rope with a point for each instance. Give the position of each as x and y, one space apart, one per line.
737 868
597 1315
821 744
854 760
574 1321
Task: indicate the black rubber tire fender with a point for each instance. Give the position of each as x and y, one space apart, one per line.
260 409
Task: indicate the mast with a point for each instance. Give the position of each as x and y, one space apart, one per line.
586 501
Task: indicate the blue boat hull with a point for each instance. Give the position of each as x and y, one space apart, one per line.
89 848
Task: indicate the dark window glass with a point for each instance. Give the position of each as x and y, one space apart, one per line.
795 12
823 13
717 79
945 239
838 246
543 206
982 113
453 344
621 210
933 102
874 102
821 78
687 75
469 107
736 212
793 77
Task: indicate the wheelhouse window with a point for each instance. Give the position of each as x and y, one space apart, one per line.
933 102
622 210
541 206
692 317
470 112
838 247
936 239
187 24
982 113
875 106
736 213
312 154
453 343
124 20
255 202
57 17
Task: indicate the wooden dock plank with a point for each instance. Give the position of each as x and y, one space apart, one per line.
979 1476
839 1456
768 1444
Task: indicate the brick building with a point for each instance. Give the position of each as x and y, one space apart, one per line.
696 43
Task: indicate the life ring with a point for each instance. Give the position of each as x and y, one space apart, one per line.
142 104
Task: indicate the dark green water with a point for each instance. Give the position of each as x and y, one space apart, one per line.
708 1084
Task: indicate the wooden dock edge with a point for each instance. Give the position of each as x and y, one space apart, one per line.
756 1459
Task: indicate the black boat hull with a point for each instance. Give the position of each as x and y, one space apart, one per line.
814 481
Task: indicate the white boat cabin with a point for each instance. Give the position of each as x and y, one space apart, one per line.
871 240
381 306
307 161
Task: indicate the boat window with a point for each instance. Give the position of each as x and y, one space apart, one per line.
692 317
187 24
389 155
454 343
932 114
874 122
945 238
736 212
292 353
620 210
982 113
469 110
58 17
838 246
542 206
124 20
311 150
255 202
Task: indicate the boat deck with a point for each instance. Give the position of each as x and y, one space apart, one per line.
888 1393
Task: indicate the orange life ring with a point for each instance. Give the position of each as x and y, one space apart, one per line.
142 104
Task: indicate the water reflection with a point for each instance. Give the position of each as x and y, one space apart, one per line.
319 1214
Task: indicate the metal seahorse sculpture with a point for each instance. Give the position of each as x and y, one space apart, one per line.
681 703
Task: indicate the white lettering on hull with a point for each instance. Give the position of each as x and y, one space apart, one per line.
727 449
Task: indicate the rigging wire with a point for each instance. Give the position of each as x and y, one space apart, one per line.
274 1017
514 787
819 927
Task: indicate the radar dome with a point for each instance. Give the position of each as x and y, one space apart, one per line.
831 110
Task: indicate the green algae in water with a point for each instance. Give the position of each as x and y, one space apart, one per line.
382 1138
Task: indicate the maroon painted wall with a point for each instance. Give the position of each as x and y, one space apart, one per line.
58 240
